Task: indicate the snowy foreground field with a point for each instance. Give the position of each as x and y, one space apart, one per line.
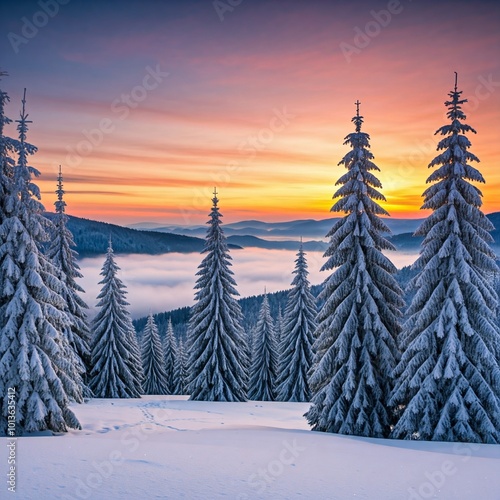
167 447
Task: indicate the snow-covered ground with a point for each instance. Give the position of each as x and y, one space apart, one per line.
166 447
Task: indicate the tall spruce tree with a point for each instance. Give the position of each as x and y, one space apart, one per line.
170 355
180 369
299 325
155 378
35 357
448 379
264 367
355 345
116 363
63 255
218 356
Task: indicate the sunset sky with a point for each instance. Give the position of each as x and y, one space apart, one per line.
255 99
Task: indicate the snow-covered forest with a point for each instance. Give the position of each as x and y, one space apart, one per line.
409 354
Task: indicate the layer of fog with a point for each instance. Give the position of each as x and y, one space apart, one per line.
160 283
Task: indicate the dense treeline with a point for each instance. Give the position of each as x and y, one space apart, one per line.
250 307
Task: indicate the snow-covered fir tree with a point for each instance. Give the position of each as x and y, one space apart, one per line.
264 367
358 324
299 325
62 254
116 363
170 355
448 379
35 357
180 370
155 378
218 361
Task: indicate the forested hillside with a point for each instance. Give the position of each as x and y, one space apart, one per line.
92 237
249 305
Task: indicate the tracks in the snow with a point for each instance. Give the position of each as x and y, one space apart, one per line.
151 419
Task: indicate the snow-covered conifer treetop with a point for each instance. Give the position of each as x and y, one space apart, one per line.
60 204
358 193
8 146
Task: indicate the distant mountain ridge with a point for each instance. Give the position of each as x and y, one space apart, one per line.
272 235
91 237
307 228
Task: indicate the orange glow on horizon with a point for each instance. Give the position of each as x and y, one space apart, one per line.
262 118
